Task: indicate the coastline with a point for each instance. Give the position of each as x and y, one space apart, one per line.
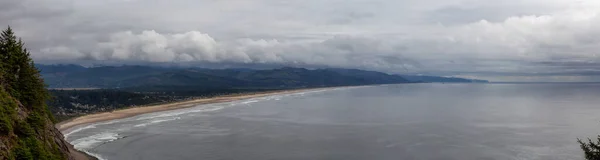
130 112
66 126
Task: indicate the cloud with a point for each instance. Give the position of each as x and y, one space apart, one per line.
58 53
444 37
154 47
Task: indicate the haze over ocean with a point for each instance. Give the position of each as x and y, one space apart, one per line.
405 121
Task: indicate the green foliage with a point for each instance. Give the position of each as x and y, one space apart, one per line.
24 129
36 121
22 80
22 152
7 105
590 148
7 111
49 114
5 126
21 83
36 149
31 148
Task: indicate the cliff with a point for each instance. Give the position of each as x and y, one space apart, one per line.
26 134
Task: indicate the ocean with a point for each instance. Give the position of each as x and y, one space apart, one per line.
387 122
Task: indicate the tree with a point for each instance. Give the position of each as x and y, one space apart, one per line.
7 47
22 88
20 77
590 148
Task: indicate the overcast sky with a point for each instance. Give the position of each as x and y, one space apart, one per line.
502 40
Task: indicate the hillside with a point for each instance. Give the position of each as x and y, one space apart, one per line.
28 134
27 130
68 76
119 87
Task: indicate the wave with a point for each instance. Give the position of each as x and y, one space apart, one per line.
66 135
90 142
204 108
87 143
95 140
250 101
97 156
90 126
156 121
180 112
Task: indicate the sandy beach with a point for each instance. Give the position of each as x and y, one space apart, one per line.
129 112
65 126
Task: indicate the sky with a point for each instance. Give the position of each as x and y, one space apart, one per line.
508 40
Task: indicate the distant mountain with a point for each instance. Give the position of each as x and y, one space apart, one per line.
60 68
67 76
73 76
418 78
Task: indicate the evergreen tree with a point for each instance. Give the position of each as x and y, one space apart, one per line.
21 83
5 58
9 48
20 77
590 148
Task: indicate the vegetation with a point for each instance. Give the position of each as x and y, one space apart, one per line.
26 128
590 148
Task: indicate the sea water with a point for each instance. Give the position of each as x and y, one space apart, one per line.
404 121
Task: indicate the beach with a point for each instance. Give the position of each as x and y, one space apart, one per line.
130 112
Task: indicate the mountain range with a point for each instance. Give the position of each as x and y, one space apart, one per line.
76 76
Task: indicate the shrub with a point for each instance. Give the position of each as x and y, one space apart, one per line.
5 126
24 129
36 121
36 149
22 153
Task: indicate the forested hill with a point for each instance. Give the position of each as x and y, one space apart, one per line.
73 76
26 126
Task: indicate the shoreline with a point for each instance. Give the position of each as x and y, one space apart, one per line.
130 112
67 125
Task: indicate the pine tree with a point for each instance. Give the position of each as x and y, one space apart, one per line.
4 56
20 77
21 87
9 47
590 148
